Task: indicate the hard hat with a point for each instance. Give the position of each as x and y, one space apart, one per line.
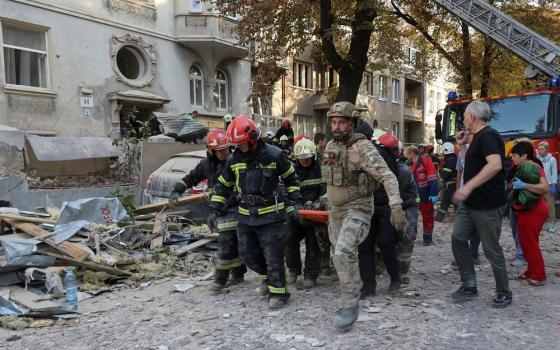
243 129
388 141
217 140
269 134
300 137
448 148
284 138
228 118
343 109
305 148
286 123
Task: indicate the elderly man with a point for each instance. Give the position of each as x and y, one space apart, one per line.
482 198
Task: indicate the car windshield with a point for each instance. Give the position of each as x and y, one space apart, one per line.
514 115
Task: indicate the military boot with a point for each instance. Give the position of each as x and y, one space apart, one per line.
346 319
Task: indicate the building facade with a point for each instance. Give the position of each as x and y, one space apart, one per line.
403 104
78 68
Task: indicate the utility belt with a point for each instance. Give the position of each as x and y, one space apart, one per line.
257 200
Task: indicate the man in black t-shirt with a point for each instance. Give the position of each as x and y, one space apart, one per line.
482 198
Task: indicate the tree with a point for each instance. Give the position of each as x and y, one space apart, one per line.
343 30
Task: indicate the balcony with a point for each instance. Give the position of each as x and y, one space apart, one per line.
413 113
209 31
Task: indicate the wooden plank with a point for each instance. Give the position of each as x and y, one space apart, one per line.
190 247
194 199
88 265
72 249
27 218
31 301
160 229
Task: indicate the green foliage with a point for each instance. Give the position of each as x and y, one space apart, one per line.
127 198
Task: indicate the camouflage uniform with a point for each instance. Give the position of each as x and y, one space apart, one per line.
409 195
352 171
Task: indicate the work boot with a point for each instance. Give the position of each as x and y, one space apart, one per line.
220 280
464 293
501 301
308 283
367 292
276 302
428 240
346 319
233 280
217 286
291 277
395 285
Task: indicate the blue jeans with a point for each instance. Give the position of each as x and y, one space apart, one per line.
515 234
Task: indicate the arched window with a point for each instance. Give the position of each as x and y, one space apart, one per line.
197 94
221 90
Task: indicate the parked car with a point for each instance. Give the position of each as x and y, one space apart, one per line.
161 182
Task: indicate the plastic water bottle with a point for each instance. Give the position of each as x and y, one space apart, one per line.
71 289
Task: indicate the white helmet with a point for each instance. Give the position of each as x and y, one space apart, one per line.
269 134
448 148
283 138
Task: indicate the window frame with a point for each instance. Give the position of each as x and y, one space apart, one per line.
395 129
302 75
397 83
382 88
31 28
192 87
220 82
367 83
192 7
431 97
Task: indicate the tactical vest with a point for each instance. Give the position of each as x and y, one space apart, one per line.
341 171
335 169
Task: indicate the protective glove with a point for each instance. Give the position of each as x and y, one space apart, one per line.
517 184
553 189
398 218
433 199
173 199
212 222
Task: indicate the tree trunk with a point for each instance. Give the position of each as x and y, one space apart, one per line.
486 67
466 70
349 84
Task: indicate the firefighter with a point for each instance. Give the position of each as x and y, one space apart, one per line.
285 130
308 170
254 171
287 148
448 175
227 263
352 169
227 120
407 189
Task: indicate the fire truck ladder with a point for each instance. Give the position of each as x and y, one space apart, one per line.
512 35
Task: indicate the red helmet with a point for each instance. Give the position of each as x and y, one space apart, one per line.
286 124
242 129
388 141
217 140
300 137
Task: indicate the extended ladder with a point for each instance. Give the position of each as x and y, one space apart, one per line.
512 35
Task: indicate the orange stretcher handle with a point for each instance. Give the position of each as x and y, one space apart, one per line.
318 216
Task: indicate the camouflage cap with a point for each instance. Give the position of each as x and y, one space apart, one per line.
343 109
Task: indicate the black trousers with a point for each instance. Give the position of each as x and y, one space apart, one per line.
227 258
383 234
447 195
262 249
295 233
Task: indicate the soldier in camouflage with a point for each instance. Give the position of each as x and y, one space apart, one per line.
352 169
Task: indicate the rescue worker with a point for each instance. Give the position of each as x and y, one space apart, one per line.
285 129
409 194
254 172
311 188
381 232
269 135
287 148
448 175
227 263
352 168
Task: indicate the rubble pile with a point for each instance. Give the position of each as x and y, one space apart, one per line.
102 243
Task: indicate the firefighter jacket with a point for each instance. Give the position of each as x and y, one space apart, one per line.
425 176
449 171
311 184
255 176
407 186
210 168
354 169
289 132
